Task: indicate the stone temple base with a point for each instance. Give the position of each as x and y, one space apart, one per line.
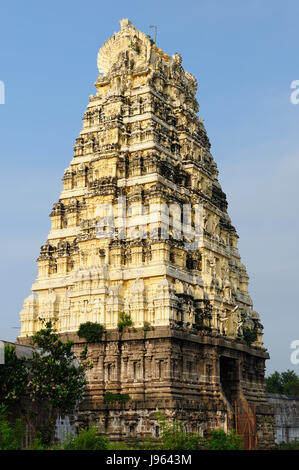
202 379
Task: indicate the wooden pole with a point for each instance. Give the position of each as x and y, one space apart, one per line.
156 27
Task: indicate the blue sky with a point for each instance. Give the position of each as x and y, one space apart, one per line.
244 55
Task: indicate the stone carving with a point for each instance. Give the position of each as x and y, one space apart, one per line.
142 148
141 141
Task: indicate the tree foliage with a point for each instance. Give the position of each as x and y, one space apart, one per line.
292 445
146 327
11 435
219 440
125 321
52 380
249 336
92 332
13 377
110 397
285 383
86 439
55 374
174 437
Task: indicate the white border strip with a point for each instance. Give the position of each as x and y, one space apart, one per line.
2 357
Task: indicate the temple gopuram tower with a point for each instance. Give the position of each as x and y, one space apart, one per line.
141 228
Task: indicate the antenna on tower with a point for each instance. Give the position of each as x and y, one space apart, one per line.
156 27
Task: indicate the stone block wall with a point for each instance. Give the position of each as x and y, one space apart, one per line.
193 378
286 417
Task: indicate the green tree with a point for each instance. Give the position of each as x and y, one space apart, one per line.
86 439
56 379
290 383
13 377
286 383
273 383
110 397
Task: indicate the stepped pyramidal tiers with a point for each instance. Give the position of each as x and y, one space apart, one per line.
141 228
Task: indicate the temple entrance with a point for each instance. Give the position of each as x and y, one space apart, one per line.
244 418
245 423
229 378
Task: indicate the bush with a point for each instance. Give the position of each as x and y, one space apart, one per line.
37 444
92 332
86 439
173 436
219 440
110 397
124 321
55 380
146 327
119 446
292 445
249 336
11 436
13 377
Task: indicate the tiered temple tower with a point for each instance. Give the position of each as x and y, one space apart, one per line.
141 227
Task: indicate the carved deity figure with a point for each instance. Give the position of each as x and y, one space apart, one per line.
223 319
237 322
